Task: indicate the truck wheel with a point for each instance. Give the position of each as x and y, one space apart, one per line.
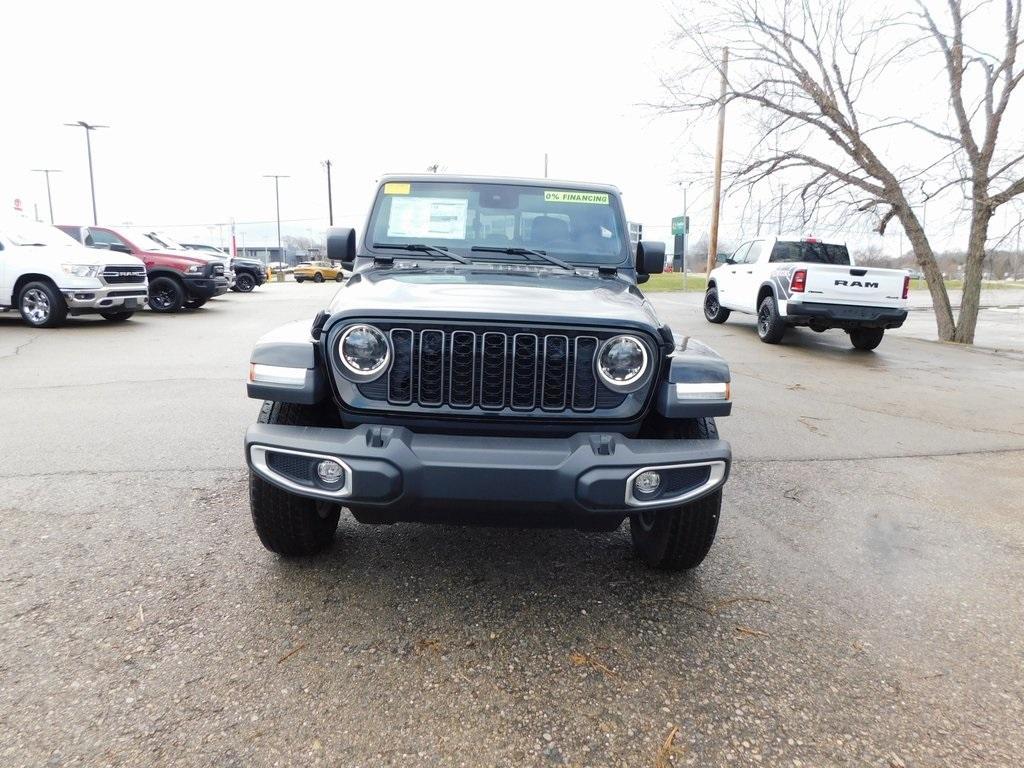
287 524
713 311
116 317
678 538
318 278
244 282
165 294
41 305
771 326
195 303
866 338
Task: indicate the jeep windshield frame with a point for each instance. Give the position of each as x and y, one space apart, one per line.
583 226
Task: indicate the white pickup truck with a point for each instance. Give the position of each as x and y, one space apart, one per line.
47 275
805 282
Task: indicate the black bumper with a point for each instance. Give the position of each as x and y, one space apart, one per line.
205 287
845 316
413 476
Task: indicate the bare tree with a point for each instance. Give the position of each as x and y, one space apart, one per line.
808 69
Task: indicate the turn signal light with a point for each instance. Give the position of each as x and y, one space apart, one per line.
799 282
906 286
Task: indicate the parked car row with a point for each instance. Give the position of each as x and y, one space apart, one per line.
48 273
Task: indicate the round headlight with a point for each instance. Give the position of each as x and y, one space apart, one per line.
622 363
364 351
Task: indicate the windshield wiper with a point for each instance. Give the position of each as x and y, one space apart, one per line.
525 252
423 248
32 245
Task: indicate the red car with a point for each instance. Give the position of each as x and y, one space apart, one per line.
177 278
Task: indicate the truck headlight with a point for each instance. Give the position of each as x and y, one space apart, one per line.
195 269
622 363
81 270
364 352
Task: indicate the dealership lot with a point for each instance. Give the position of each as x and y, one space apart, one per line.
862 603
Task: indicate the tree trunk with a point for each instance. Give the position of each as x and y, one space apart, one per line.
925 258
971 298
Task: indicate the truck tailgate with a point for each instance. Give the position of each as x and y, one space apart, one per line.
840 284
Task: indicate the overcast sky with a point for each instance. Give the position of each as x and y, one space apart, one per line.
203 100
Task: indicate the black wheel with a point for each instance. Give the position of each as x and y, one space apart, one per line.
771 327
678 538
116 317
866 338
41 304
298 279
713 311
339 277
287 524
244 282
195 303
318 278
166 294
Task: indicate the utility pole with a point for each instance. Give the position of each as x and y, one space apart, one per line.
717 197
545 165
277 205
88 148
49 197
782 196
330 201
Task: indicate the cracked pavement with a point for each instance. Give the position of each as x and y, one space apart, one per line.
862 604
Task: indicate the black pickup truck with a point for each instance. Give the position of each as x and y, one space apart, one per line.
490 361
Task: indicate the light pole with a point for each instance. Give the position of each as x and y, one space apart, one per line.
88 148
277 205
330 203
49 197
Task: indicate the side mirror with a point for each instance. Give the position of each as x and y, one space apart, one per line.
723 258
120 248
341 246
650 257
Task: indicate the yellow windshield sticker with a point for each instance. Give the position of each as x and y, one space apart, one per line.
397 188
567 196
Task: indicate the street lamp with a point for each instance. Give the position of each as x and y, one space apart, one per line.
88 148
277 204
49 198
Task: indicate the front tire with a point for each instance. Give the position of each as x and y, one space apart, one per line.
866 338
679 538
41 305
290 525
166 294
339 277
244 283
771 326
714 312
116 317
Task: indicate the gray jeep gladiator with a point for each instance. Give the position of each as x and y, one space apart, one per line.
491 360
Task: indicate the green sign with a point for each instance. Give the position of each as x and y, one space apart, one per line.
680 225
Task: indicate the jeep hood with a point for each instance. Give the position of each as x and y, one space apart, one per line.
495 294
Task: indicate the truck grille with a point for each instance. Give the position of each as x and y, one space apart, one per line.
494 370
118 274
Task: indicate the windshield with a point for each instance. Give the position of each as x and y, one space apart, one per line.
811 252
580 226
151 239
28 232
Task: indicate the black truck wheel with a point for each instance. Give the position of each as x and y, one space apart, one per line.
771 326
287 524
166 294
678 538
244 282
714 312
117 317
41 304
866 338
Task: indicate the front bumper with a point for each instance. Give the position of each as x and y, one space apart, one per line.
114 298
410 475
205 287
844 315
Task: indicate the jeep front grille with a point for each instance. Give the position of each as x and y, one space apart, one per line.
494 370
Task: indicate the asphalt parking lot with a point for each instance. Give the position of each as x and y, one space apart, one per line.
861 606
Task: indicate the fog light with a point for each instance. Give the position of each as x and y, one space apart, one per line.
330 472
647 482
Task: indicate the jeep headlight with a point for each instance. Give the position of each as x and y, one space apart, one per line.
364 352
81 270
622 363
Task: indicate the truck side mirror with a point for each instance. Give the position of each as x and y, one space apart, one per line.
650 257
723 258
341 246
120 248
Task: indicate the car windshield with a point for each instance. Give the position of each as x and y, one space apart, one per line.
28 232
576 225
810 251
